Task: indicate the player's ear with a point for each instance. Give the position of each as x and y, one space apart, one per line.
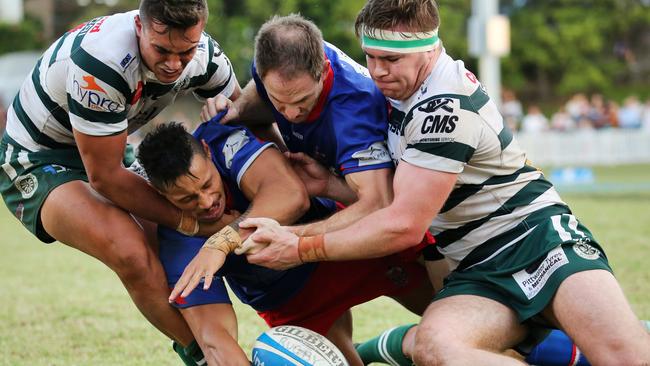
138 26
206 149
326 68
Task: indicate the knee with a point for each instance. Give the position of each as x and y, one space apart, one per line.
430 350
136 265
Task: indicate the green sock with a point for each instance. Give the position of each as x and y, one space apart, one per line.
646 323
191 355
386 348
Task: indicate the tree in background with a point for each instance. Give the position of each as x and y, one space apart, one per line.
559 47
19 37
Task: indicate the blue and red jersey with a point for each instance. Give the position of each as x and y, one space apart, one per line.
347 129
233 150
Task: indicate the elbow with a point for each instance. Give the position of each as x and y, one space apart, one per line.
408 232
99 182
302 204
299 204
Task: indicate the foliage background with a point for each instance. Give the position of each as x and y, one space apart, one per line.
559 47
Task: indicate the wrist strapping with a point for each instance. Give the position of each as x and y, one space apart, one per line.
188 225
226 240
312 248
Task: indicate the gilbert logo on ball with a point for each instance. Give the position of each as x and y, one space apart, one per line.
291 345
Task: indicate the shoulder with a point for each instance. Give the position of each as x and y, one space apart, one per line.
107 47
108 39
353 91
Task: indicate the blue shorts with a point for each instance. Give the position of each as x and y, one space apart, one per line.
259 287
175 255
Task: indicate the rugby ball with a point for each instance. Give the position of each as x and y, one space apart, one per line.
289 345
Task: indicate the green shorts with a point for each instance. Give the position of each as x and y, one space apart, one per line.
27 178
526 275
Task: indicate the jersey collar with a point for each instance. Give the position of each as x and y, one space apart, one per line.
322 98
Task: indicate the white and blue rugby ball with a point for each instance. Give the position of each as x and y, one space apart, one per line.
289 345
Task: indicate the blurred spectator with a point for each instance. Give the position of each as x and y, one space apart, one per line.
562 121
511 109
611 110
630 114
646 115
534 121
578 107
597 113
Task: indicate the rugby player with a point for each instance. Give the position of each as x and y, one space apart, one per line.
328 110
520 258
227 167
63 175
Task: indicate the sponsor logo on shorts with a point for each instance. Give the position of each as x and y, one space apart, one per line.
54 169
586 251
27 185
531 281
19 211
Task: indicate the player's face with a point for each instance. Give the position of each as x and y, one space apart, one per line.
398 75
201 191
294 98
166 51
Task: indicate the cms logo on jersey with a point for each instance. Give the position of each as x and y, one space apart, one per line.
439 124
93 96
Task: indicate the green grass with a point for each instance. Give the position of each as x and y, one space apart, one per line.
61 307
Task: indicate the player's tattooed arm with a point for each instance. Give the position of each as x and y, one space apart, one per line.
228 239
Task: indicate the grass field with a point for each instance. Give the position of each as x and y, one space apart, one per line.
61 307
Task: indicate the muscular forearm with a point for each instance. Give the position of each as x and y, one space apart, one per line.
121 187
340 219
381 233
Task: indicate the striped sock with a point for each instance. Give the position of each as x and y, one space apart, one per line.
386 348
190 355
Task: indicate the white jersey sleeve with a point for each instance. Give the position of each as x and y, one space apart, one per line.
220 77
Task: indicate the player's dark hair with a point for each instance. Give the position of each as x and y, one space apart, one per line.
411 15
175 14
289 45
166 154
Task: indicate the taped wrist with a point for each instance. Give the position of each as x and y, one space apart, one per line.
226 240
312 248
188 225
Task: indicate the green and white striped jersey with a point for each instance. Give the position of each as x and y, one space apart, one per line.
93 79
451 125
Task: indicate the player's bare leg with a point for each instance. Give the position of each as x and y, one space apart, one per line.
591 308
79 217
467 330
215 329
341 335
